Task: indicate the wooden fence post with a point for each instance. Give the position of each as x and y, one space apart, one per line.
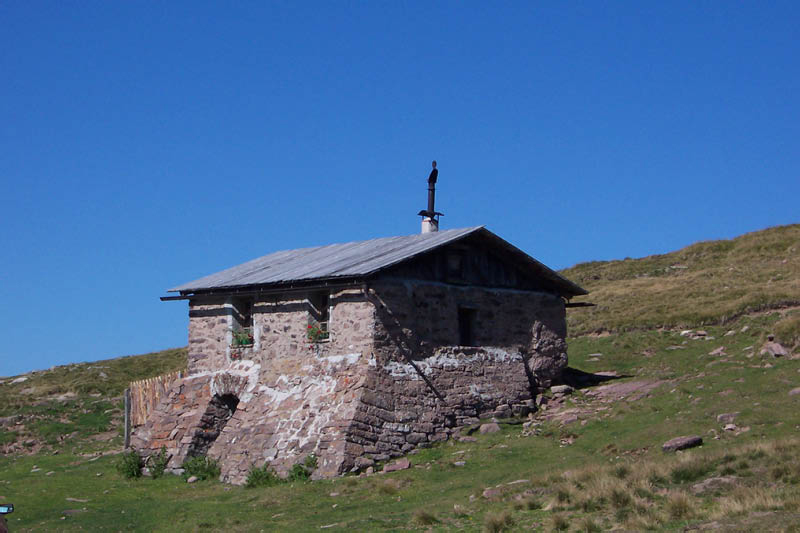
127 418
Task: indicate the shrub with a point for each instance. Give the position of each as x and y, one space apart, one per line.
425 518
261 477
201 467
689 471
560 522
679 505
620 498
158 463
589 526
130 465
497 522
621 471
302 471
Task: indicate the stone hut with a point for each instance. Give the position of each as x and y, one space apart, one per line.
359 352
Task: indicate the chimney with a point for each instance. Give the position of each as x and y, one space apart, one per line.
430 217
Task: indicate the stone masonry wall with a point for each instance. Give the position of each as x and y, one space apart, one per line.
295 397
422 385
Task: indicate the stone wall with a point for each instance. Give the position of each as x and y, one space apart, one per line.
422 386
295 397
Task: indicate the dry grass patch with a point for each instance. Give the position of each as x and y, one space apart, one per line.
746 500
497 522
679 505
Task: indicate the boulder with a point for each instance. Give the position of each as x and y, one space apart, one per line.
400 464
726 418
491 427
492 493
192 479
562 390
714 484
773 348
682 443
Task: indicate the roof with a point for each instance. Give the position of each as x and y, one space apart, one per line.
353 260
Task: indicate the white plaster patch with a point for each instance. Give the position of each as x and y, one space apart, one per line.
449 359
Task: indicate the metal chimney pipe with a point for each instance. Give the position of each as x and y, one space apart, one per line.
430 217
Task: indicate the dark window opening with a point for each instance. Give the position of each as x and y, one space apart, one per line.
318 316
219 412
466 326
243 322
243 313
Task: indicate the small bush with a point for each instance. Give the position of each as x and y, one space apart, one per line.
497 522
158 463
130 465
201 467
588 525
261 477
679 505
621 471
620 499
302 471
425 518
560 522
690 471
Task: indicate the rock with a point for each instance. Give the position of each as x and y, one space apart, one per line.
727 418
729 427
78 500
714 484
794 391
569 419
467 439
700 333
492 493
364 462
491 427
370 470
562 389
729 333
682 443
686 333
459 463
718 351
416 438
400 464
19 380
774 349
191 479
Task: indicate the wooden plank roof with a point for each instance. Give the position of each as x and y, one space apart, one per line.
353 260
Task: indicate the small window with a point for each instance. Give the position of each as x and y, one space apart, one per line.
243 322
466 326
318 316
243 313
455 266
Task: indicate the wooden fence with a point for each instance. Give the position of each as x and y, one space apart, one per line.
146 393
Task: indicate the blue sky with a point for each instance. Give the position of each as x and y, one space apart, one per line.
146 144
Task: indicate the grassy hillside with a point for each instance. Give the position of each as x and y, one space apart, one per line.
590 461
69 406
706 283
